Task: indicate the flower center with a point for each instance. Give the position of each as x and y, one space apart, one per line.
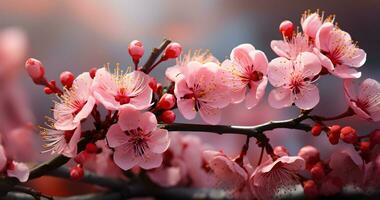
138 140
122 96
297 83
68 135
256 76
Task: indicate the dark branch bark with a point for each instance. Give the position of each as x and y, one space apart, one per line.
155 54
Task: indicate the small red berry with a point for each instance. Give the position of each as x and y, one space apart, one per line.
136 50
91 148
173 50
166 102
286 28
348 135
76 173
35 70
93 72
316 130
333 139
334 130
67 78
167 116
310 189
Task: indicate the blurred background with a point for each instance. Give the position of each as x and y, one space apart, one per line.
77 35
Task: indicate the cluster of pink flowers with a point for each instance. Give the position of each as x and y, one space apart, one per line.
132 136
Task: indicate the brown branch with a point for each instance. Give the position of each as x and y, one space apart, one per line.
154 55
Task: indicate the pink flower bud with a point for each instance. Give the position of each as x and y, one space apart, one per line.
93 72
67 79
91 148
167 117
280 151
286 28
173 50
310 154
76 173
348 135
136 50
35 70
310 189
166 102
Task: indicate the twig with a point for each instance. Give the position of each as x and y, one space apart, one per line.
154 55
347 113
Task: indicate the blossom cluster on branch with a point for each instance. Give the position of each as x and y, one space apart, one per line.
120 122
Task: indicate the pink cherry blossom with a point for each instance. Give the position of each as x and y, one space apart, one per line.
230 175
270 176
75 104
137 140
122 88
174 73
310 23
12 168
342 164
246 71
201 89
294 81
61 142
290 48
365 99
337 52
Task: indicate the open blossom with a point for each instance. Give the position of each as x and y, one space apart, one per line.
337 52
310 23
175 73
201 89
341 165
364 100
12 168
61 142
122 88
246 74
229 174
290 48
270 177
75 104
137 140
294 81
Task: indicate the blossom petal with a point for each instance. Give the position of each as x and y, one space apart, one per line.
209 114
256 92
281 48
307 98
260 61
71 148
3 158
322 40
20 171
186 107
148 122
309 64
151 161
85 111
344 71
129 118
125 157
279 71
240 54
159 141
280 98
116 136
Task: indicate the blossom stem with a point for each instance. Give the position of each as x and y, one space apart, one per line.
348 113
261 156
154 55
153 66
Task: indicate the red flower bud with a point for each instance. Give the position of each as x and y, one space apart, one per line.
348 135
93 72
310 154
333 139
334 130
167 117
316 130
375 137
47 90
76 173
136 50
286 28
91 148
310 189
280 151
317 171
35 70
166 102
364 146
172 51
67 79
153 84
